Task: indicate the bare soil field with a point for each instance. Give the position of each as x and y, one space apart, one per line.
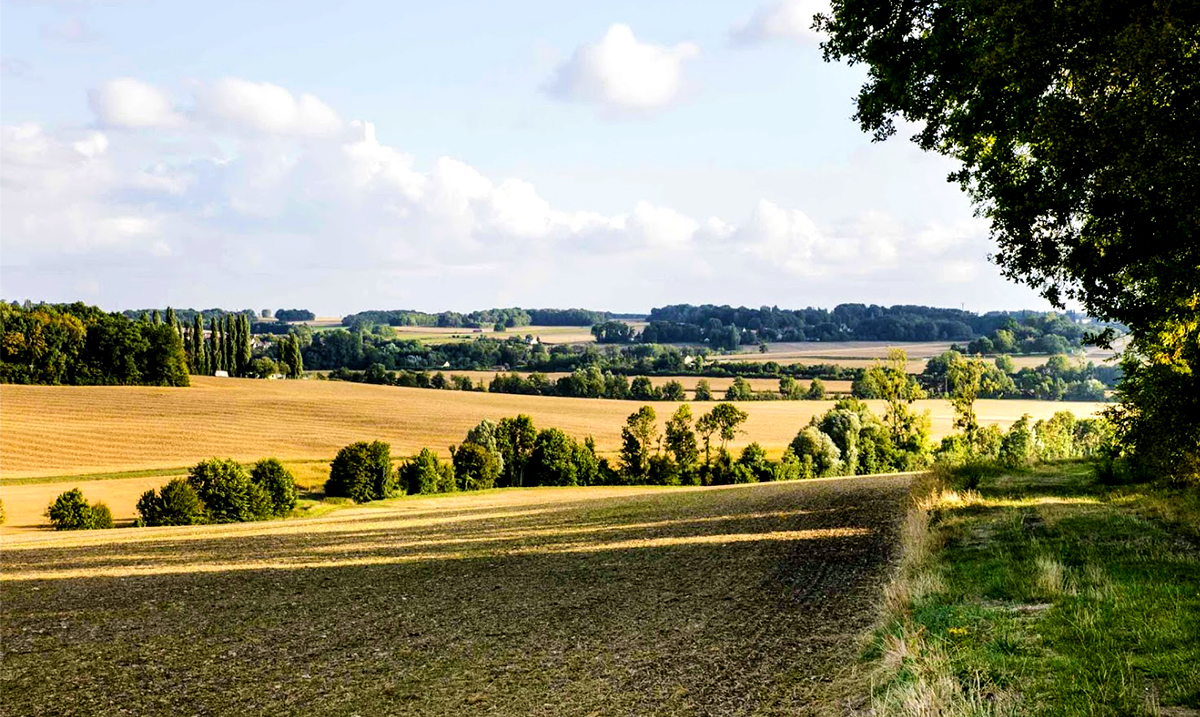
579 601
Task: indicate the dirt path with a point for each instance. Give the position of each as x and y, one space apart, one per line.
605 601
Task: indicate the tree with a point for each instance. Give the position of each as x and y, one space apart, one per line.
726 418
475 466
816 449
553 459
362 472
816 390
967 379
278 483
703 390
890 381
641 389
754 460
638 443
515 438
1074 123
681 440
71 511
424 473
228 493
673 391
739 390
176 503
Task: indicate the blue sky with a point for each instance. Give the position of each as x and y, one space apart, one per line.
459 155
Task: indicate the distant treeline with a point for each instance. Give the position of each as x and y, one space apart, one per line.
327 350
78 345
724 327
486 318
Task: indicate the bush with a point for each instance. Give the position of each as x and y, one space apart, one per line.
101 517
176 503
1018 449
228 494
70 511
754 461
278 482
553 459
362 472
424 473
2 516
788 467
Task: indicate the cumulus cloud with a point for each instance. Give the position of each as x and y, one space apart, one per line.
252 178
790 20
126 102
264 107
621 73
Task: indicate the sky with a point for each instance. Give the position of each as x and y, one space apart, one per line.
461 155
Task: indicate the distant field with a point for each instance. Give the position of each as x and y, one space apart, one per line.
523 603
861 354
62 432
434 334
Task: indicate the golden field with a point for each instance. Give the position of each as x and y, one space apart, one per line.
78 431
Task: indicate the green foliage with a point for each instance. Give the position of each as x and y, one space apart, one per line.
680 439
361 472
101 516
673 391
819 449
638 443
703 390
71 511
228 493
176 503
514 439
739 390
816 390
754 460
475 466
3 517
425 473
278 482
76 344
554 459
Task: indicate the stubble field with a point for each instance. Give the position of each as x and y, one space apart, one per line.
581 601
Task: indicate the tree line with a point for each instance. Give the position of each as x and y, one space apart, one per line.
76 344
484 318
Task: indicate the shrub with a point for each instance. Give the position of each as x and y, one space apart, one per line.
176 503
101 517
424 473
278 482
70 511
1018 450
228 494
362 472
2 516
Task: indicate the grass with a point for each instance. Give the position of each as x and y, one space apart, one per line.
553 601
1043 593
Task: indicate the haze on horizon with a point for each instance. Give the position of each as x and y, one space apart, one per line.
461 156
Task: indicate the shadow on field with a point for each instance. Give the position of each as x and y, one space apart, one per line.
701 602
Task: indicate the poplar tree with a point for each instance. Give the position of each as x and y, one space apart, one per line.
244 351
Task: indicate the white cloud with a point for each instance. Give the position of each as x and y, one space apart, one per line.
621 73
321 197
784 20
264 107
130 103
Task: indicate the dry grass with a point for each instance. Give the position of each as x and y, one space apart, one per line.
592 601
57 430
861 354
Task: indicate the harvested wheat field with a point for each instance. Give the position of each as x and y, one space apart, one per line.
75 430
570 601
